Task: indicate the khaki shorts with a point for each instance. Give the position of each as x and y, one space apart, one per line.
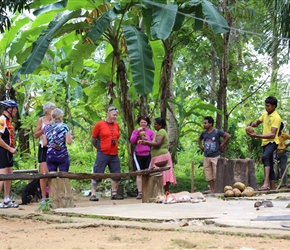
209 164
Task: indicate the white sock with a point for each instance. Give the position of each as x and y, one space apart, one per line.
6 200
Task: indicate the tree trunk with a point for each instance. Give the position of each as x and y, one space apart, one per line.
166 88
127 109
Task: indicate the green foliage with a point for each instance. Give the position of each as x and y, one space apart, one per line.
140 59
45 206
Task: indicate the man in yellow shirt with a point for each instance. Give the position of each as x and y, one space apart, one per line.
271 123
281 153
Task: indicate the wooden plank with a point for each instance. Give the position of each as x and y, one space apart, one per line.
79 176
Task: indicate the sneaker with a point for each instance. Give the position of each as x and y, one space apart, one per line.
2 205
11 204
139 196
117 197
94 198
43 200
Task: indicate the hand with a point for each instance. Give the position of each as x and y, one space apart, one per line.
12 150
253 135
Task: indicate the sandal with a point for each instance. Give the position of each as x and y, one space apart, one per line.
94 198
263 188
139 196
117 197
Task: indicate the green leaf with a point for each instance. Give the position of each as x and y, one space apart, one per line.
148 19
163 21
158 54
10 34
213 18
101 25
55 6
140 59
40 46
81 51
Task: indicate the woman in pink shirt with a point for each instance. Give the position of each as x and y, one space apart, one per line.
142 154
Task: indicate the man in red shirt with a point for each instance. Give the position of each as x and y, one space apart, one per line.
7 148
105 137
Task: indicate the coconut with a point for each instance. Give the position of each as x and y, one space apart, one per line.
227 188
250 129
229 193
248 192
239 185
237 192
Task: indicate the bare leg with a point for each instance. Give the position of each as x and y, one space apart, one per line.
266 175
166 187
7 184
43 170
139 183
1 186
211 185
94 187
115 185
272 185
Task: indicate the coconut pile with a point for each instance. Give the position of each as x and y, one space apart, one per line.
238 189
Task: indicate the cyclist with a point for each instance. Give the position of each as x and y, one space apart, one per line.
7 148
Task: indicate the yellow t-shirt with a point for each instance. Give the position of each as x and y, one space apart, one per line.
269 121
282 138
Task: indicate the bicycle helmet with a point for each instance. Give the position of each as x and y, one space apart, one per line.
9 104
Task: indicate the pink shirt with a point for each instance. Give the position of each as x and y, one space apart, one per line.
142 150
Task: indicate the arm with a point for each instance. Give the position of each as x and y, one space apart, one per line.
200 144
134 136
265 136
255 123
6 146
155 144
227 137
38 130
94 141
44 140
68 138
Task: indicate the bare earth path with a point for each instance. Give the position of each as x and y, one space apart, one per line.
23 228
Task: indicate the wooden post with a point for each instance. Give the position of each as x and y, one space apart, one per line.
230 171
151 186
192 176
61 193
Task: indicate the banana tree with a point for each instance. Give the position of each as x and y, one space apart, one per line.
166 23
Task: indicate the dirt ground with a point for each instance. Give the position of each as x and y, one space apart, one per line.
23 228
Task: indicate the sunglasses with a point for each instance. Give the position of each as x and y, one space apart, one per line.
112 109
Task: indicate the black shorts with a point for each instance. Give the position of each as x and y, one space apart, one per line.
6 158
143 162
42 154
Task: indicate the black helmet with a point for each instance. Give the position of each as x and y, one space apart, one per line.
9 104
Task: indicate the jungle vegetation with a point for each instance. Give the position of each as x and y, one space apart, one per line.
181 60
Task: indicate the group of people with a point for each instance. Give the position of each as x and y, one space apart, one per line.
150 149
273 142
53 136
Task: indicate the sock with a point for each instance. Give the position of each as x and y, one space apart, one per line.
6 200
